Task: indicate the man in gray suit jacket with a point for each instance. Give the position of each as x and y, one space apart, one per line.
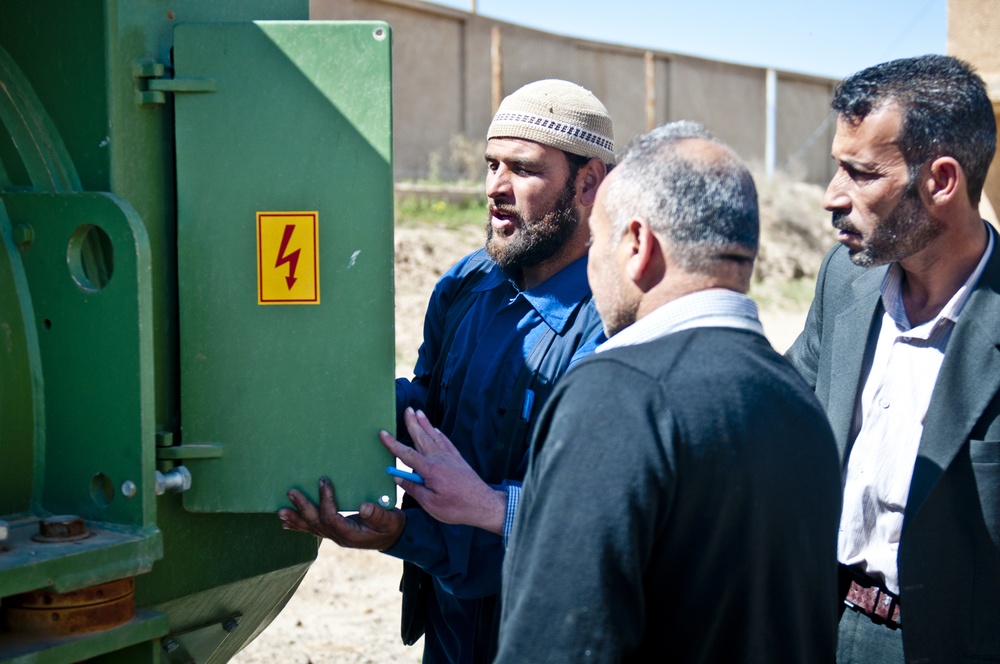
902 345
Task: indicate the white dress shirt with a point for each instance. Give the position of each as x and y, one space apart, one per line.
888 423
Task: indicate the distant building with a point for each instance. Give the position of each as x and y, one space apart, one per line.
974 36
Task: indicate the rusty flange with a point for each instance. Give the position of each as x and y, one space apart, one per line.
86 610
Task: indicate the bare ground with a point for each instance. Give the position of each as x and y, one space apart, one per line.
347 608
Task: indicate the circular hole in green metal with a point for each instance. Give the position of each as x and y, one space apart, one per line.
379 34
90 257
101 489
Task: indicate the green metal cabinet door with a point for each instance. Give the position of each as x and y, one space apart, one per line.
285 259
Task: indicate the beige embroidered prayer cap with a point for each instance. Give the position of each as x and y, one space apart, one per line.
559 114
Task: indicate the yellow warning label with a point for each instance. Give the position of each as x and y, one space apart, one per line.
287 258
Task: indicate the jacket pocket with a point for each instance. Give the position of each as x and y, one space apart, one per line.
985 458
984 451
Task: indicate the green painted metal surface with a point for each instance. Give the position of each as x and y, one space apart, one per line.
137 638
106 243
108 553
300 121
45 158
206 551
86 275
140 141
73 92
88 270
21 402
257 600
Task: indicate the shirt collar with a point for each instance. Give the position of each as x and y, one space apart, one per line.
715 307
554 299
892 293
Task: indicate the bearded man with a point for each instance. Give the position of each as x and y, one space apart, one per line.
502 327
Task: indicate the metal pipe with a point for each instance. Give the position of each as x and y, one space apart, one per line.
770 130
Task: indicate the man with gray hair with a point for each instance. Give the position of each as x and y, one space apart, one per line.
682 496
502 327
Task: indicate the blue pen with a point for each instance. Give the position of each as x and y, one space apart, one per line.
396 472
529 402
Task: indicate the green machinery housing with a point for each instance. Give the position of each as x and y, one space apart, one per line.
195 314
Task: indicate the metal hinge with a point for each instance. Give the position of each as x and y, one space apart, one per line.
152 86
167 449
175 479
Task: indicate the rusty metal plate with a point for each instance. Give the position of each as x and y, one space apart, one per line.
105 592
58 614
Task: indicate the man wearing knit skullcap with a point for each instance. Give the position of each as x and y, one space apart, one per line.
502 326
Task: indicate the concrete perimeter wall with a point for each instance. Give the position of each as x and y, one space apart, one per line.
442 87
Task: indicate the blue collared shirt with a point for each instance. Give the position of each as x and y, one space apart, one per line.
487 353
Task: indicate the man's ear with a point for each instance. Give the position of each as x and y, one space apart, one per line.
588 179
942 181
646 263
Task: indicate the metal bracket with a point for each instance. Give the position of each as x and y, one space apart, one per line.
200 643
193 451
152 86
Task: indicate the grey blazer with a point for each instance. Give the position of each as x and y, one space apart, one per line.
949 554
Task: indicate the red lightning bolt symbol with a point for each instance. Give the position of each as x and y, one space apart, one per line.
292 259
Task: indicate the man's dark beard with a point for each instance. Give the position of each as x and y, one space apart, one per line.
906 230
536 240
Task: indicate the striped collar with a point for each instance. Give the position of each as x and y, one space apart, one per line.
715 307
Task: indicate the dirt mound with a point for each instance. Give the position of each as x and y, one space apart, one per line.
422 256
795 231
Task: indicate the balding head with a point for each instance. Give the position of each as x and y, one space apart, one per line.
694 191
677 215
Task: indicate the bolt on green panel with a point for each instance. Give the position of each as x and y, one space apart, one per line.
285 256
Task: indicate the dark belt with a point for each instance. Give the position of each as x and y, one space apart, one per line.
866 595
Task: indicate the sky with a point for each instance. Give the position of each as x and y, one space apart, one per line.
824 37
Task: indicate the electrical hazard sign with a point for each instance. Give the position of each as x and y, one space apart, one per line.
287 258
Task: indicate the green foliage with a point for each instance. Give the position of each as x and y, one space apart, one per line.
416 210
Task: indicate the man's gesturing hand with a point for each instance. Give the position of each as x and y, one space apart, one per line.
371 528
452 491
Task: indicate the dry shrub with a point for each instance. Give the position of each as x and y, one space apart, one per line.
795 231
